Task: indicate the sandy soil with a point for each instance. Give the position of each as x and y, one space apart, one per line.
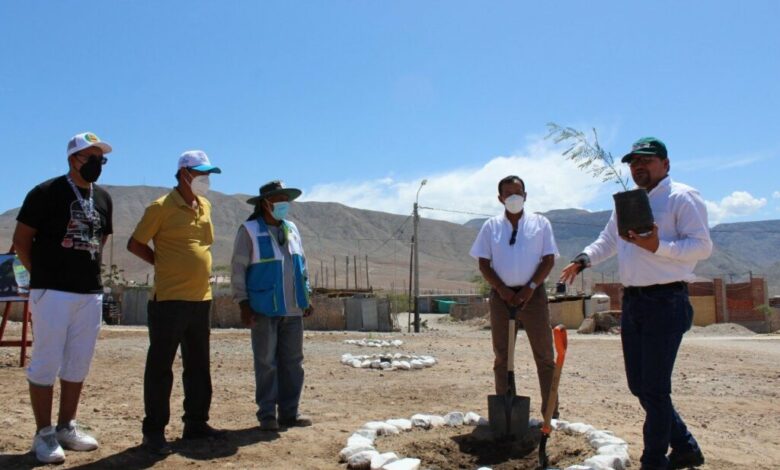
724 386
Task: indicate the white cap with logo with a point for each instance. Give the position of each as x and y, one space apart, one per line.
84 140
197 160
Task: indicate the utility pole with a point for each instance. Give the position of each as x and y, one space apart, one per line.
323 277
335 285
355 267
347 272
416 245
411 292
368 284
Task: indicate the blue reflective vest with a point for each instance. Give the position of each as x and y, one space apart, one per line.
265 274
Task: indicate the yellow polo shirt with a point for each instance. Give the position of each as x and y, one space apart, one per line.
182 238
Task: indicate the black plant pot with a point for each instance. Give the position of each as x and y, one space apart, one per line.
633 212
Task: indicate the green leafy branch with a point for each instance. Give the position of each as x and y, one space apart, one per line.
587 155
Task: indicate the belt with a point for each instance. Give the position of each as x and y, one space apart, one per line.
639 290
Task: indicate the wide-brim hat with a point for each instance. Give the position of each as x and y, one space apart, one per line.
273 188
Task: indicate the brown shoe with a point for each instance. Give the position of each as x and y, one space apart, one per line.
300 421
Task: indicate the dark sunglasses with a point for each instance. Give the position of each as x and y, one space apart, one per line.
99 158
513 238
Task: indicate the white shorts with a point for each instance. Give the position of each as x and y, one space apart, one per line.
65 329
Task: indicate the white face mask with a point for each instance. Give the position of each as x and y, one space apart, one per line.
514 203
200 184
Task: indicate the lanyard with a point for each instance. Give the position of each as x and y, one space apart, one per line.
88 205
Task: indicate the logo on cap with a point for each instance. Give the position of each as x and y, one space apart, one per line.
91 138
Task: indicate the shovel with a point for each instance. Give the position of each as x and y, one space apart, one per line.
508 413
561 343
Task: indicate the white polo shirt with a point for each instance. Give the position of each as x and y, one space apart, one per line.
515 264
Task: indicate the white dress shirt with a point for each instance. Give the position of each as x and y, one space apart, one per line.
683 233
515 264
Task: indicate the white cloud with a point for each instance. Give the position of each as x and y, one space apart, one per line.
776 194
738 203
552 183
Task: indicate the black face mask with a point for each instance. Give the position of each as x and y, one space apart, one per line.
90 170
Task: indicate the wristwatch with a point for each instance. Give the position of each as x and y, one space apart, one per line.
533 285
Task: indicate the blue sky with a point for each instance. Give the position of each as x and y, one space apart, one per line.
357 102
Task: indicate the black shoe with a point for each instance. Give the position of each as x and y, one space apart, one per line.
685 459
156 444
201 431
297 422
269 425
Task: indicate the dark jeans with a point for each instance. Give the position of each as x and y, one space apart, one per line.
652 327
277 345
172 323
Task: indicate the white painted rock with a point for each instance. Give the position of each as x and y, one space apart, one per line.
606 462
361 460
417 364
615 450
367 433
349 451
577 428
404 365
346 358
379 461
597 443
437 421
381 428
356 363
421 421
558 424
454 418
386 365
376 364
403 464
578 467
402 424
358 440
471 418
396 343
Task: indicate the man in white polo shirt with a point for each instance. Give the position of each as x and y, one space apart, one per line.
516 251
654 269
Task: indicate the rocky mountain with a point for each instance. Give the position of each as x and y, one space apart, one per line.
332 230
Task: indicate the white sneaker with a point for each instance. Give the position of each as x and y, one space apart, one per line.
74 439
46 447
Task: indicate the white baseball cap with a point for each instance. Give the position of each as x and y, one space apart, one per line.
79 142
197 160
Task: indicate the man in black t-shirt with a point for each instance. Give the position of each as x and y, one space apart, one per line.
59 237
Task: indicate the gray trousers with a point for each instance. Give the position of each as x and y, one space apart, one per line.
277 346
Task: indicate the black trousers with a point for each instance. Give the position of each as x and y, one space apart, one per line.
173 323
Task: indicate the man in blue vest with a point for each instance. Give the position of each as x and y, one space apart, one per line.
271 285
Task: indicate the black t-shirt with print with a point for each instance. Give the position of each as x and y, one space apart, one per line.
61 256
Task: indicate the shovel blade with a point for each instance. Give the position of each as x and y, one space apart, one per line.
508 416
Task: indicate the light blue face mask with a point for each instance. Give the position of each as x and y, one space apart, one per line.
280 210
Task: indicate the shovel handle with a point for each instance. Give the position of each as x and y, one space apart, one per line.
561 344
561 339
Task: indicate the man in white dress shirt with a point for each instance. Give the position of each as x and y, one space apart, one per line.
516 251
654 270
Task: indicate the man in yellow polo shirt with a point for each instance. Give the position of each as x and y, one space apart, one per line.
179 225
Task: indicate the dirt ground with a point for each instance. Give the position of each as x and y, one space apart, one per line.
726 387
